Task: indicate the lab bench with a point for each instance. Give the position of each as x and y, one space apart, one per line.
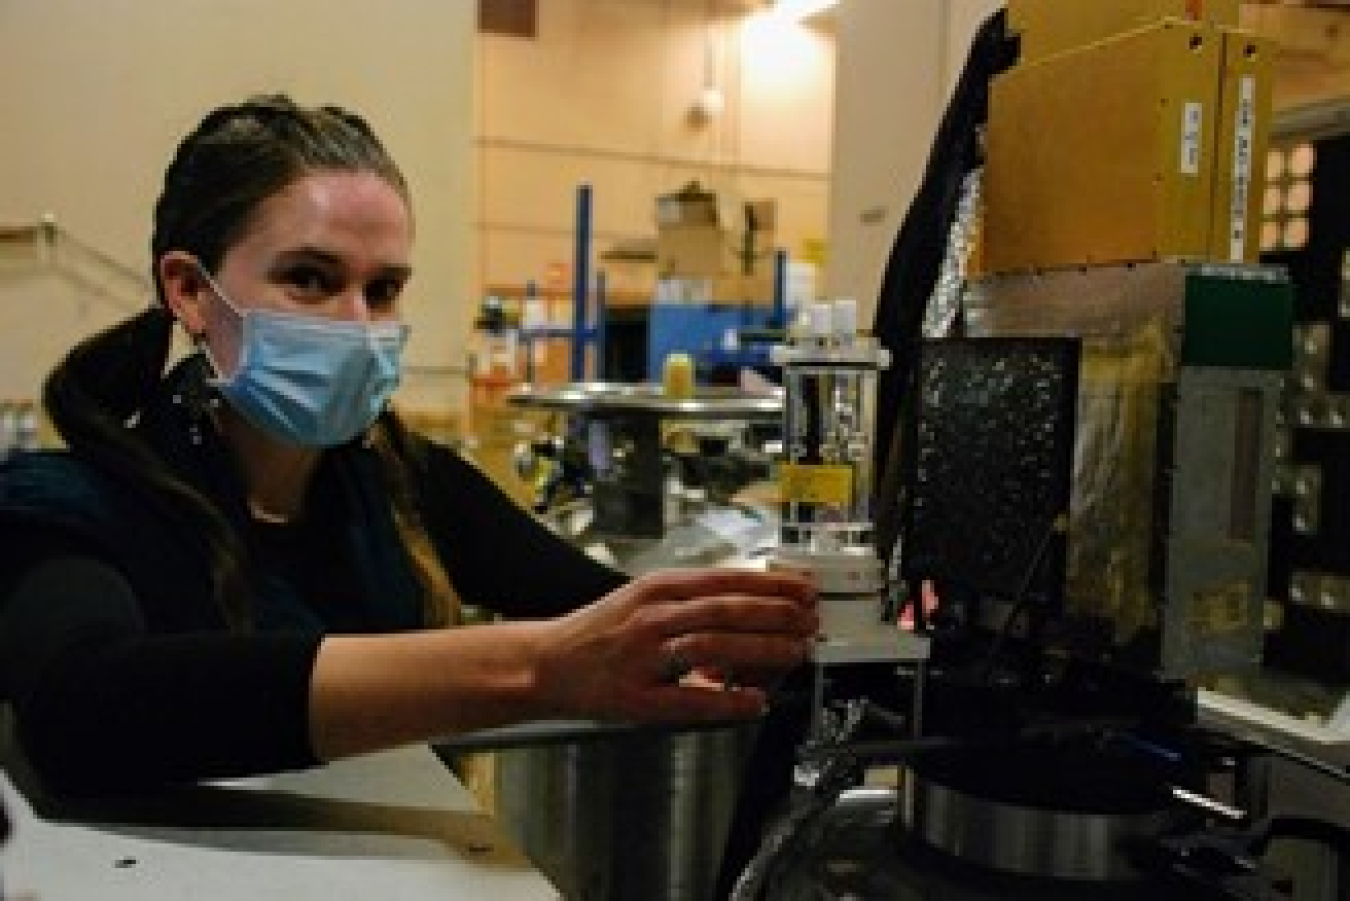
392 825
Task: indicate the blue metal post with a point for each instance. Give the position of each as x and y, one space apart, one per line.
598 330
581 281
528 335
780 275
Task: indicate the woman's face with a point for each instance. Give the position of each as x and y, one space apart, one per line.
332 245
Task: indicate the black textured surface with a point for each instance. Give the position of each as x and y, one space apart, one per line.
988 465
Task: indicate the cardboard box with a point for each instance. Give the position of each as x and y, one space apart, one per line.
707 240
1104 154
755 290
737 290
1243 139
1048 27
695 205
696 251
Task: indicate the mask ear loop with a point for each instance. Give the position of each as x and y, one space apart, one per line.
199 339
217 375
195 395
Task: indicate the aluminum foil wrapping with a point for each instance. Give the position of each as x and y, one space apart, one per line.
1112 508
944 305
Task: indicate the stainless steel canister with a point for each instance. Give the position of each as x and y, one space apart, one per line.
625 814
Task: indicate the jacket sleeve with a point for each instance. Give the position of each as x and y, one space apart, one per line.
500 556
103 703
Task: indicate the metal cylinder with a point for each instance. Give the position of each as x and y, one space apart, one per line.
639 815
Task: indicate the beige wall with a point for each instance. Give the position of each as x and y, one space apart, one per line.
94 95
897 63
603 97
1313 59
495 133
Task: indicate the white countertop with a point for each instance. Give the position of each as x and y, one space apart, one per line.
396 825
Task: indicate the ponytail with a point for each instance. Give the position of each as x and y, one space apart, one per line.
102 382
93 397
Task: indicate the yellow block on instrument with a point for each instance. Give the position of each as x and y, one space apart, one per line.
815 484
1105 154
1047 27
1243 138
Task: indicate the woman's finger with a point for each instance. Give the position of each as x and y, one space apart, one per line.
686 584
732 651
734 613
696 703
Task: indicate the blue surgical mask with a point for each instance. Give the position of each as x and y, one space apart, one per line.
308 380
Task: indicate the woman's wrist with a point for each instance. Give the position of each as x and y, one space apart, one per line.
377 691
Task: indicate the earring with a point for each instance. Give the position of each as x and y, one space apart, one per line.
196 397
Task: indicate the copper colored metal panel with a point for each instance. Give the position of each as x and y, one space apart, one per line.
1244 134
1105 154
1053 26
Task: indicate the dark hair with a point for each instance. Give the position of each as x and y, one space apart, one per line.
236 158
239 156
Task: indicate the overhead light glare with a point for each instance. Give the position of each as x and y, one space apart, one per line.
800 10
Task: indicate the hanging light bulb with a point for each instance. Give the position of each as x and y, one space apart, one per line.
710 102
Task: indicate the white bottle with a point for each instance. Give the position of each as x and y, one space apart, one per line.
26 427
845 321
7 429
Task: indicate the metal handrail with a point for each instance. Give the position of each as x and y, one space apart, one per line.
72 256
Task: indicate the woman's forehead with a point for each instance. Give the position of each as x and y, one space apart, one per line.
342 212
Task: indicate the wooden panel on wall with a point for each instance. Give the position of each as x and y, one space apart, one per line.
891 89
75 100
1313 47
512 18
603 97
591 78
536 186
785 107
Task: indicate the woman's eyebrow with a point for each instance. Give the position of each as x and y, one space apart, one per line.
310 255
400 271
331 260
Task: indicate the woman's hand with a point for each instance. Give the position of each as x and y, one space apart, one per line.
642 653
628 656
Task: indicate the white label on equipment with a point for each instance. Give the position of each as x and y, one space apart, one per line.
1244 125
1192 123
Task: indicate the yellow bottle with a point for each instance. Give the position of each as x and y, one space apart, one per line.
677 376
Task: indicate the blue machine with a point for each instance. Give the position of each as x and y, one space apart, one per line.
702 331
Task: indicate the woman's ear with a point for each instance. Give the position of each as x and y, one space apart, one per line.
185 289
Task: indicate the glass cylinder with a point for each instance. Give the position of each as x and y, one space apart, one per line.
826 472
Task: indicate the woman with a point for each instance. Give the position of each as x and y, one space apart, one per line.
247 564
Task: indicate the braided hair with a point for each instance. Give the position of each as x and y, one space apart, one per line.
236 158
239 156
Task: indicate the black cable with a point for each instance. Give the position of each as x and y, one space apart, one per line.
1021 600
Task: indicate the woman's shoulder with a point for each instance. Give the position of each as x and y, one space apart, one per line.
439 460
54 499
47 476
58 488
446 477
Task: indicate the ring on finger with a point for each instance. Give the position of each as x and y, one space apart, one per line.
674 666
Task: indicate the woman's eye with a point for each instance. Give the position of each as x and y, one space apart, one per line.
382 293
310 282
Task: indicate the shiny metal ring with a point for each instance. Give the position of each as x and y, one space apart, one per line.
674 666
